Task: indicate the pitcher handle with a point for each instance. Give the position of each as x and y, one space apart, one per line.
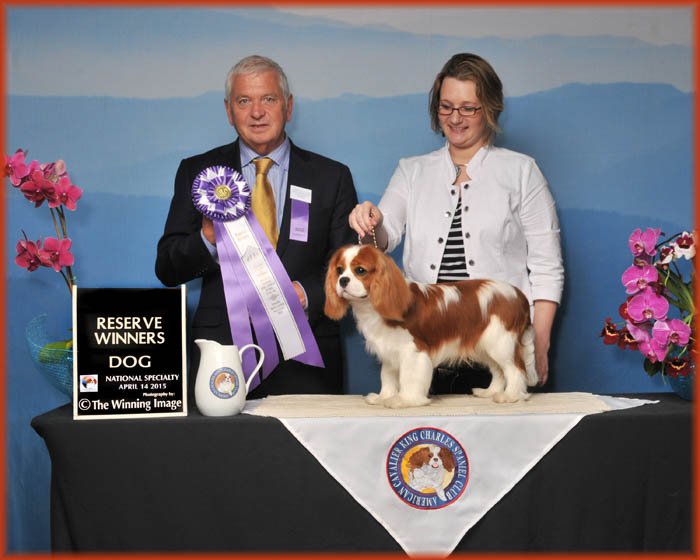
257 367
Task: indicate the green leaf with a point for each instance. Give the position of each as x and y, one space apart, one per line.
652 368
55 352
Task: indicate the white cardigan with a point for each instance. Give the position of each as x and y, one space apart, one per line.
509 224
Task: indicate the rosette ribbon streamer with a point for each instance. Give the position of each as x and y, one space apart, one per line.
257 288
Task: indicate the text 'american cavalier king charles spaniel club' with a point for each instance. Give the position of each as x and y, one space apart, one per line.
412 328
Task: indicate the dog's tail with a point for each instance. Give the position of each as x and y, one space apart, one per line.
527 353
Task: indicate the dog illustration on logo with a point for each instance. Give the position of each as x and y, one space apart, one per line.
225 384
427 466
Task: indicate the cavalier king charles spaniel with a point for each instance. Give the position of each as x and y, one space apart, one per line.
412 328
427 466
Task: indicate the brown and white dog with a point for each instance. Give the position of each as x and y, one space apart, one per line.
412 328
427 466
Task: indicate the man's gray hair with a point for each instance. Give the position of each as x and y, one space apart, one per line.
255 64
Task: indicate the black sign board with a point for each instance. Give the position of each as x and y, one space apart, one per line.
129 353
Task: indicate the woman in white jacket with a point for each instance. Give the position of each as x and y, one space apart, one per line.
470 209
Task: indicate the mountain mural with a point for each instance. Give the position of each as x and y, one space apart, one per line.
188 51
618 156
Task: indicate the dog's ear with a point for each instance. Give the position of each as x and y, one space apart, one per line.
419 458
448 461
389 293
335 306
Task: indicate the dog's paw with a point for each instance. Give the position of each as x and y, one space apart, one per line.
506 397
397 401
373 398
482 393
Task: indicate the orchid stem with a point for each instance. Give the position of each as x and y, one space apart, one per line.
55 223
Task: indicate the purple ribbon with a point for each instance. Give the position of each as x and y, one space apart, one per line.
299 225
221 194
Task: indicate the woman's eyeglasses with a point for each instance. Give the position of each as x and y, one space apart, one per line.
464 111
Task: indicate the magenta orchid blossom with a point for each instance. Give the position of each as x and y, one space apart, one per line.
28 254
37 188
659 309
66 194
16 167
652 349
647 305
38 183
644 242
56 253
637 278
674 331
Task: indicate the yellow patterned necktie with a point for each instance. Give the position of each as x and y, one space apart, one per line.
263 203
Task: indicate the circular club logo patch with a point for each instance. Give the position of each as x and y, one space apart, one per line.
427 468
223 383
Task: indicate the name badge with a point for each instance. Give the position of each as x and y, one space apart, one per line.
299 226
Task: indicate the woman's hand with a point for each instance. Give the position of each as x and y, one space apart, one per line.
542 322
364 218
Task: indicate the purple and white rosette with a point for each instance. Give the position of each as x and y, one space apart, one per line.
221 194
257 288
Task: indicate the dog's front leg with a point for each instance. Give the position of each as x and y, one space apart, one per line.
416 373
390 385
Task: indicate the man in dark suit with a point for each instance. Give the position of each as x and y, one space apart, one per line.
258 105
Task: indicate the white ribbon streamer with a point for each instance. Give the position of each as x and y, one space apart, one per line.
267 286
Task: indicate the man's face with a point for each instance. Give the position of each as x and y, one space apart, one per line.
258 111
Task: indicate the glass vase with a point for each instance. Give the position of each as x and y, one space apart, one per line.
52 357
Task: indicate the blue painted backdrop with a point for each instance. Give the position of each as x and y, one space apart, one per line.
123 95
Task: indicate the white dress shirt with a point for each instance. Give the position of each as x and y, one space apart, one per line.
509 223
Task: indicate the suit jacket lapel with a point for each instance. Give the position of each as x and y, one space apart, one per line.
235 155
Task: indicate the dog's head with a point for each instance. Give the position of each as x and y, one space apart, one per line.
434 456
358 273
420 458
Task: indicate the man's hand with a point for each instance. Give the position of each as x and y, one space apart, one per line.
300 293
208 230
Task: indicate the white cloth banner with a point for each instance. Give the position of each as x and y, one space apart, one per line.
429 478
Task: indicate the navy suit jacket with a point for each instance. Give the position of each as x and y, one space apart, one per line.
183 256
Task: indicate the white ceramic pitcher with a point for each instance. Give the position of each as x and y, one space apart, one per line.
220 388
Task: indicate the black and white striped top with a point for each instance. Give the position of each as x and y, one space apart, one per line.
454 263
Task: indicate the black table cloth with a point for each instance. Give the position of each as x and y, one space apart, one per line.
619 481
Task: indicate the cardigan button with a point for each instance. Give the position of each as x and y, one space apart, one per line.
466 186
471 262
448 214
466 208
453 191
467 235
432 267
440 240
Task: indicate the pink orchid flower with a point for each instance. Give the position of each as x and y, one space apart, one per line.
637 278
56 253
647 305
16 167
641 243
28 254
38 188
651 348
65 193
685 245
674 331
